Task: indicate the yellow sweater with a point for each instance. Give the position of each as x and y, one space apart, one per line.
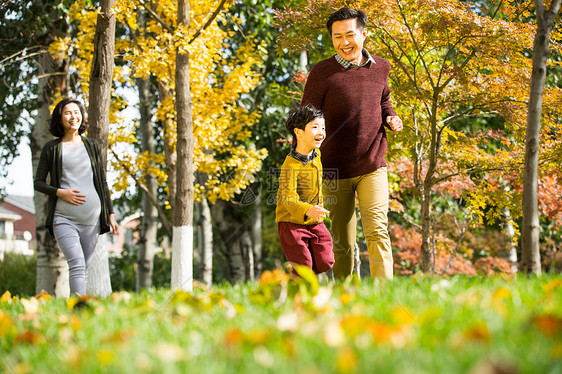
300 187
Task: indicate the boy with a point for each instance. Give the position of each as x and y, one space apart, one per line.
304 238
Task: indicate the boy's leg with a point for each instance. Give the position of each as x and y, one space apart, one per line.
294 239
321 248
340 201
372 194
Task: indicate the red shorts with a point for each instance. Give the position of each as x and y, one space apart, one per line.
309 245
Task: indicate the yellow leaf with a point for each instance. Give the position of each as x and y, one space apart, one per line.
308 279
105 357
31 307
346 361
6 298
552 285
7 326
402 316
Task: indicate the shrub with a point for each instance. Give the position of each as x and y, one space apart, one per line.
17 274
123 271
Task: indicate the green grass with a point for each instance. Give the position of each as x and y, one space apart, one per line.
409 325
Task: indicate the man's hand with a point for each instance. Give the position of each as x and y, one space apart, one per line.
71 196
395 123
317 213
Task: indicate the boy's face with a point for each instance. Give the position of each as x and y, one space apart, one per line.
348 40
312 136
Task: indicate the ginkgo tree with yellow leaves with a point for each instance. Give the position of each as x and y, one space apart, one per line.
223 152
451 60
222 127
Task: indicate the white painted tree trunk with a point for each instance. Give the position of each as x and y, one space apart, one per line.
182 258
98 282
205 240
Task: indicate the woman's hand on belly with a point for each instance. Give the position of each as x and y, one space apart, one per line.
71 196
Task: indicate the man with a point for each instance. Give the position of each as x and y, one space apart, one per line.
351 89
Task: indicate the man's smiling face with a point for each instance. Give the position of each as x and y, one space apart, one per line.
348 40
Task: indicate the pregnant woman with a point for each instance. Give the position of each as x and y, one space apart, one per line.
80 206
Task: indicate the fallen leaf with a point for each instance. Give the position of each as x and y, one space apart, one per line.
6 298
346 361
30 337
105 357
263 357
550 325
7 326
233 337
169 352
31 307
478 332
552 285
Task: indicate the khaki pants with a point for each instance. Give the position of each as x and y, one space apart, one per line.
372 196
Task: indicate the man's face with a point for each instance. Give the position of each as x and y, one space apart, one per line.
348 40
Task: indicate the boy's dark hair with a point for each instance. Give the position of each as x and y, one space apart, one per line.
347 13
299 117
55 126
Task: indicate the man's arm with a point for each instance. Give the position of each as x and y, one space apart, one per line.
388 114
314 89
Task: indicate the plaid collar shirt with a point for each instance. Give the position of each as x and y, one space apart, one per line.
347 64
305 159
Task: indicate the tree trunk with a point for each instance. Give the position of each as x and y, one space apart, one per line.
426 255
101 79
99 282
256 224
205 242
101 76
530 250
52 269
510 231
182 237
237 239
148 238
169 152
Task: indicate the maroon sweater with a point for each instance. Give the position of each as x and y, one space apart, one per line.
355 101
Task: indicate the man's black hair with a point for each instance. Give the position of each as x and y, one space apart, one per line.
299 117
347 13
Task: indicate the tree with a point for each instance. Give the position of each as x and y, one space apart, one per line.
100 85
52 269
530 261
182 238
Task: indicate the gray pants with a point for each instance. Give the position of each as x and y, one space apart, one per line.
78 243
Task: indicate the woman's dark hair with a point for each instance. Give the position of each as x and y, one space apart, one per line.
347 13
299 117
56 128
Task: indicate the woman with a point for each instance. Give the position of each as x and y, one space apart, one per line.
80 206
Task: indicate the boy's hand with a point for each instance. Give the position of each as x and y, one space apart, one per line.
317 213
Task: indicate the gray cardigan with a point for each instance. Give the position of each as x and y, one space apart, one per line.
50 162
